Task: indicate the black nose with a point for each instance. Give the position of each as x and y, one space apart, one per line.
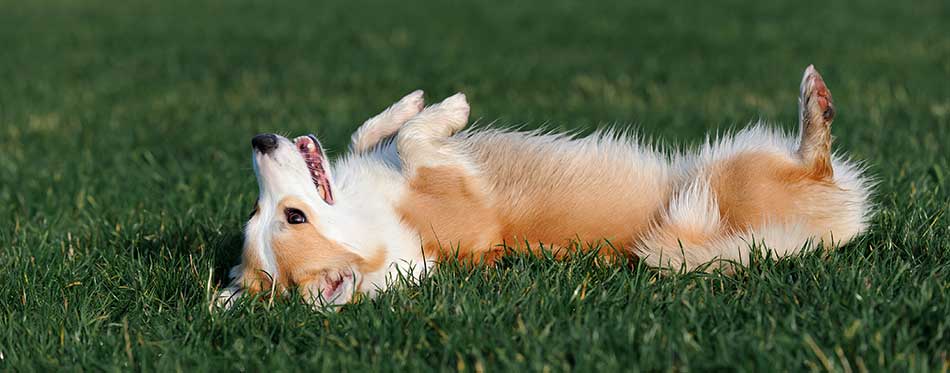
264 143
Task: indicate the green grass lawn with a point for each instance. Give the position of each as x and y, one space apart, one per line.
125 177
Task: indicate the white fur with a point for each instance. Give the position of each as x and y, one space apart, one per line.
695 206
674 187
387 123
370 185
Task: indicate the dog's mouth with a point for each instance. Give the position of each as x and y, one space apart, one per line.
312 154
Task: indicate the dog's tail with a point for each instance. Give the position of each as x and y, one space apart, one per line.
761 189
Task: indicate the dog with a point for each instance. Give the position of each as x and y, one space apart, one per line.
417 187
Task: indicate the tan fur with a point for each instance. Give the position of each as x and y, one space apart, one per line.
750 189
375 262
756 187
303 254
437 196
255 280
557 197
517 189
473 194
532 197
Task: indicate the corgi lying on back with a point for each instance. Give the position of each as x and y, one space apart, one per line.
415 188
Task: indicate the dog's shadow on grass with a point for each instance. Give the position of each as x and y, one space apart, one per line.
225 253
191 249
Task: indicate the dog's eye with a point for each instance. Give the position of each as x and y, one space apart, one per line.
295 216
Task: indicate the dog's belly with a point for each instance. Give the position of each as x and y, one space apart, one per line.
558 191
530 191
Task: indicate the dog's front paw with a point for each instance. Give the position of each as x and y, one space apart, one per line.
452 111
387 123
411 104
227 297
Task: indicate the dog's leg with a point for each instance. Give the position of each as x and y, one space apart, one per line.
227 297
247 279
448 203
231 294
747 192
387 123
815 113
703 223
424 141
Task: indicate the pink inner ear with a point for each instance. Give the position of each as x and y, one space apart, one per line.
312 153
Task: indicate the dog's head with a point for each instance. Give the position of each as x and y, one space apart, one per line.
297 235
290 238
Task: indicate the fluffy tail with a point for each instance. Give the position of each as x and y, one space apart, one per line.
759 188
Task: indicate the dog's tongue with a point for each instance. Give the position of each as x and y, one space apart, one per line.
312 153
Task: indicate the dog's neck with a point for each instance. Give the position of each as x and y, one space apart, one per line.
369 186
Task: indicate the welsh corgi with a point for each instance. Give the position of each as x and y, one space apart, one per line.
416 187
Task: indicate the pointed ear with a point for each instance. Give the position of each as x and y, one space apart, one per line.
387 123
323 178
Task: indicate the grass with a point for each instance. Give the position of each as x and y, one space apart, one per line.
125 177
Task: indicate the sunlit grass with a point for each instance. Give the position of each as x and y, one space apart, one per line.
125 178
